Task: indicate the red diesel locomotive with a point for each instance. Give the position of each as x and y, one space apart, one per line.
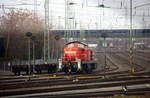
78 57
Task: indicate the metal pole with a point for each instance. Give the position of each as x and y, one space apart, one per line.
59 27
45 35
65 33
33 57
48 43
4 66
29 57
35 10
44 50
131 39
46 32
104 55
105 50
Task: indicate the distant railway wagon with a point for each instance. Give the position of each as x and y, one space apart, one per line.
77 57
37 68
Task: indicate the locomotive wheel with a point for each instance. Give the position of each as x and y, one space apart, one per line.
79 72
66 69
27 72
89 71
17 73
69 70
87 68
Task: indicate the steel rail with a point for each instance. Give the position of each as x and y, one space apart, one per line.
82 84
104 87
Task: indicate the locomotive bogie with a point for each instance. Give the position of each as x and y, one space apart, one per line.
78 67
88 67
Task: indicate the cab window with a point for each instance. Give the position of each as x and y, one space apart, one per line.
70 45
80 46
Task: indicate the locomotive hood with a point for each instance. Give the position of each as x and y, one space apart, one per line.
77 42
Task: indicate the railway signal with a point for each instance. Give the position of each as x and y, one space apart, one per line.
104 35
29 34
33 46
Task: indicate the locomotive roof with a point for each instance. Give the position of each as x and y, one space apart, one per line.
77 42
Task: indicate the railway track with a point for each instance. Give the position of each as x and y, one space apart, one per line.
125 58
140 55
138 61
75 85
141 58
143 53
79 85
6 81
112 64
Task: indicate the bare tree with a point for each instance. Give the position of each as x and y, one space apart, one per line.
15 24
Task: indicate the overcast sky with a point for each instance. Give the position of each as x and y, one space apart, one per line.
87 15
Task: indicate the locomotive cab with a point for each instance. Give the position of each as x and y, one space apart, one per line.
77 58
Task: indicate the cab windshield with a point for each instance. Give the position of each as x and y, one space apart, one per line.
80 46
70 46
